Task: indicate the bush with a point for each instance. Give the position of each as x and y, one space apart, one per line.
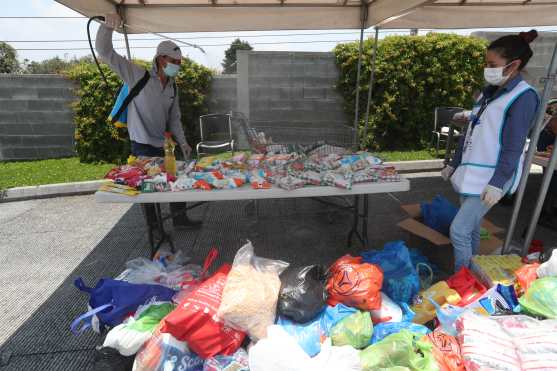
414 74
99 141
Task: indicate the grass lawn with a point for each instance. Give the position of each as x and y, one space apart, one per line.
409 155
28 173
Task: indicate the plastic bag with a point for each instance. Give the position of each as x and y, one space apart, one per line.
400 279
163 352
389 311
507 342
382 330
525 275
439 214
354 283
112 301
195 321
302 293
400 351
548 268
249 298
467 285
310 335
354 330
238 361
541 298
280 352
441 293
446 351
128 337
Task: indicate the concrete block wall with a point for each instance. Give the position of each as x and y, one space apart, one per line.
537 67
222 98
36 120
289 89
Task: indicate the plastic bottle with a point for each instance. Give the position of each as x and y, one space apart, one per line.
169 157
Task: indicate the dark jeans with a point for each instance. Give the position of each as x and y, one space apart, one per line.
140 149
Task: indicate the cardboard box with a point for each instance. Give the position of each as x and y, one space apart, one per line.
436 246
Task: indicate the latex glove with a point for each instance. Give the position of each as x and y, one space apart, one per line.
447 172
491 195
112 20
186 150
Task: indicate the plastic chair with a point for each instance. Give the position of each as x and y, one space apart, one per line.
216 133
443 130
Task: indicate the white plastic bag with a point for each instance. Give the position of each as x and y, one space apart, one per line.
549 268
250 296
389 311
280 352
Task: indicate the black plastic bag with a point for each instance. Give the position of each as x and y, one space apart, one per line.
302 293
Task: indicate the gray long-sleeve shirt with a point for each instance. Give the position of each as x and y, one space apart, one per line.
154 107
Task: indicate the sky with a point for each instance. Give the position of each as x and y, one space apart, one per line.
48 33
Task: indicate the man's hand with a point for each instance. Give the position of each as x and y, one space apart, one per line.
491 195
186 150
112 20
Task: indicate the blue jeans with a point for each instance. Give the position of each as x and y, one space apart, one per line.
465 228
140 149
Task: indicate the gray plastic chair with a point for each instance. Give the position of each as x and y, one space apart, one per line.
442 124
216 133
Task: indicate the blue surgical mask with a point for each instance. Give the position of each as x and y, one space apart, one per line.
171 69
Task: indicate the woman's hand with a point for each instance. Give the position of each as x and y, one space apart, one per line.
447 172
491 195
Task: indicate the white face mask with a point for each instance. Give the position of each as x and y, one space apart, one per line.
494 76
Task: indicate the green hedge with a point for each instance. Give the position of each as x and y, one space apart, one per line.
97 140
414 74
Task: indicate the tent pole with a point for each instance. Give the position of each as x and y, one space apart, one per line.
371 81
363 18
547 90
122 12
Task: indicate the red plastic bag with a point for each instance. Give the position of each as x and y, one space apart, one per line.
446 351
467 285
355 284
525 275
195 322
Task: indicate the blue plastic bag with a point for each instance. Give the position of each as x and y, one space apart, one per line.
439 214
400 279
111 301
309 334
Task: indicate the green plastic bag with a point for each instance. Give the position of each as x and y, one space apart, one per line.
541 298
354 330
400 351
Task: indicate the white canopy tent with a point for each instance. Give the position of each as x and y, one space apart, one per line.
155 16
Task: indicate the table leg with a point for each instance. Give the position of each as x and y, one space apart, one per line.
364 217
354 229
163 235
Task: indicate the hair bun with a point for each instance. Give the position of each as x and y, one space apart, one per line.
528 36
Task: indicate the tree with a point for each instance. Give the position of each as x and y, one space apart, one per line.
53 65
8 59
229 62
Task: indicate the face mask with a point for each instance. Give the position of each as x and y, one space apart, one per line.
494 76
171 69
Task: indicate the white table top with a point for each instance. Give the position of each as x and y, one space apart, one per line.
247 193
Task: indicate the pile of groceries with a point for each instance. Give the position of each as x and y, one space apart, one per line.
286 167
381 310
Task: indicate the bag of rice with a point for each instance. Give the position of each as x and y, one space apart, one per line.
249 299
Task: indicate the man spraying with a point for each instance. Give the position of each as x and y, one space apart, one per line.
156 108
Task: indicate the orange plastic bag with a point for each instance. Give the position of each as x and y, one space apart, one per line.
446 351
525 275
355 284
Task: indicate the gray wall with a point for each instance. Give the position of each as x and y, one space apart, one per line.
289 89
537 67
36 119
223 94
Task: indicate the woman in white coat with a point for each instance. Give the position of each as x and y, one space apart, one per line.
488 163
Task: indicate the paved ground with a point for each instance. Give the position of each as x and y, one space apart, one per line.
46 244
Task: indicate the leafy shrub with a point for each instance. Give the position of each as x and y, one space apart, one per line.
414 74
99 141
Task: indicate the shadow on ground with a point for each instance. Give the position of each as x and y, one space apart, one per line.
300 231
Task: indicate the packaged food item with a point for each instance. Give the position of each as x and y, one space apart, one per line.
494 269
249 299
337 180
183 183
355 283
202 185
311 177
290 183
441 293
238 361
365 176
525 275
118 188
